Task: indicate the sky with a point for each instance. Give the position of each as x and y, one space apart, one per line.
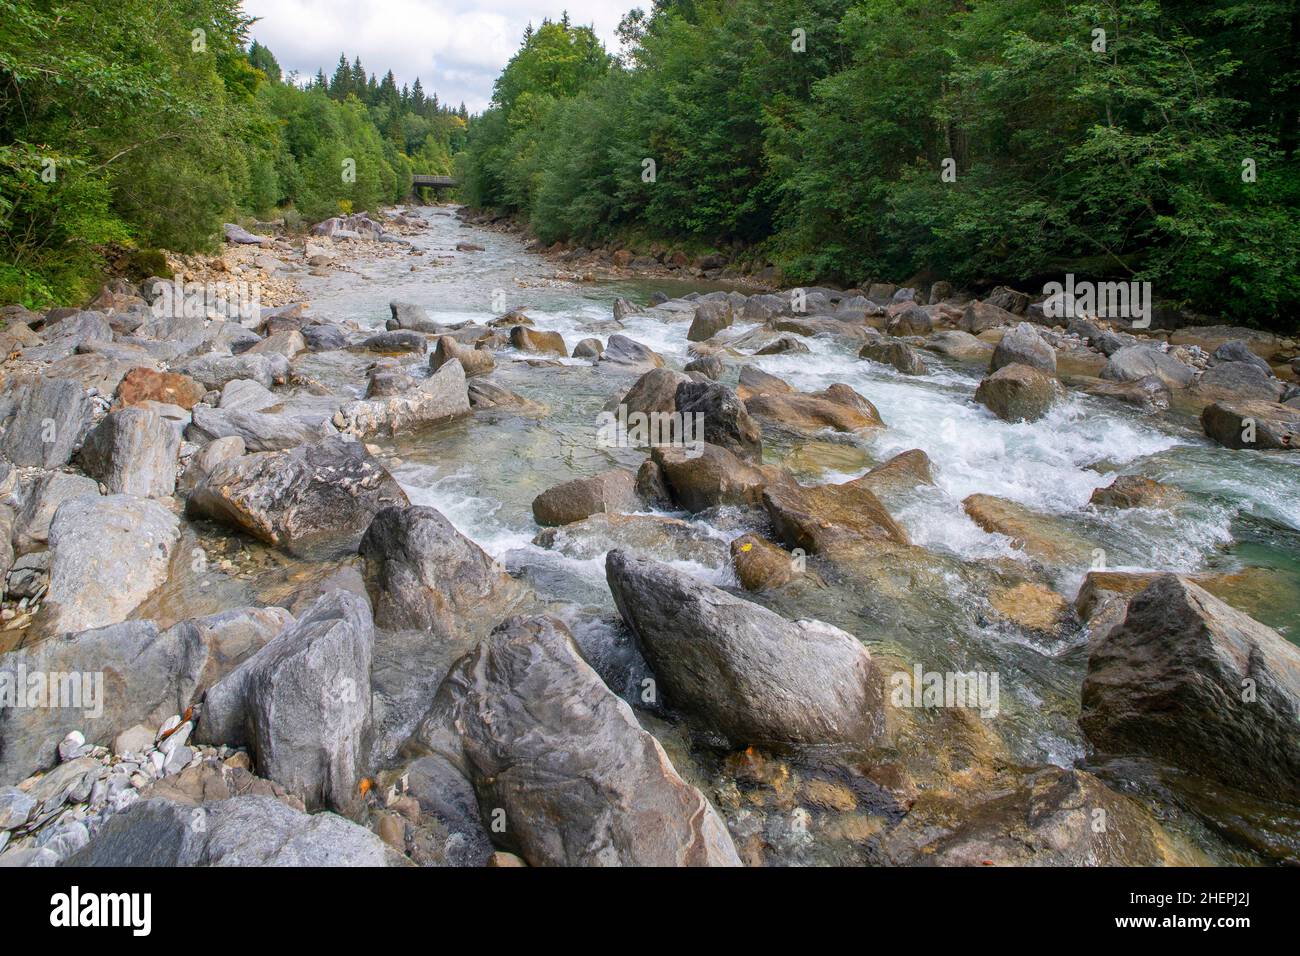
455 47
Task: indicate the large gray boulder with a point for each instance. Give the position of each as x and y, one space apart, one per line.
302 703
610 492
112 678
1237 382
1024 345
260 431
440 397
422 573
712 317
110 553
575 779
314 499
1188 681
620 350
240 831
48 424
133 452
741 670
408 315
1133 362
214 371
51 489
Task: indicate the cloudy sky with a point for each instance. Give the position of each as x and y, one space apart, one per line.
456 47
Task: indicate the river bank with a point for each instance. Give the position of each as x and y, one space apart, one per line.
418 595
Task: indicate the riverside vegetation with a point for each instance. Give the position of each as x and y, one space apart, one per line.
334 537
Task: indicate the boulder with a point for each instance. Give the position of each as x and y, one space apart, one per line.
113 678
610 491
242 831
1023 345
324 337
786 344
655 391
710 367
579 782
898 354
408 315
726 422
133 452
286 342
146 385
588 348
1040 536
245 395
958 345
1188 681
710 318
1135 491
535 340
386 382
260 431
1258 425
302 703
1149 393
742 671
904 472
838 408
823 518
440 397
314 498
422 573
396 342
214 371
754 381
911 320
51 489
110 553
208 457
1237 382
1134 362
48 424
713 477
473 361
982 316
1239 350
620 350
241 236
759 564
1019 393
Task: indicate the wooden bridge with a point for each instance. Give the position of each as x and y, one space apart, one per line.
433 182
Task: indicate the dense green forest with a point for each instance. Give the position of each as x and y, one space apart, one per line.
963 139
141 124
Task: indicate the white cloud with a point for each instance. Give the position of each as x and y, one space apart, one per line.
455 47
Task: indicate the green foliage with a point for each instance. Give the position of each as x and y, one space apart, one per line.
1121 159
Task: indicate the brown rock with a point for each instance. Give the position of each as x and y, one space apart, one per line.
145 385
534 340
820 518
609 491
1135 491
760 564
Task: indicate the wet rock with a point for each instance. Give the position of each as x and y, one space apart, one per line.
1149 393
324 337
535 340
133 452
240 831
672 538
48 424
317 497
726 421
741 670
422 573
710 318
408 315
1134 362
823 518
145 385
1036 818
710 367
1237 382
1135 491
610 491
302 703
838 408
1239 350
898 354
754 381
784 345
32 523
1023 345
588 348
1019 393
903 472
440 397
473 361
620 350
713 477
110 553
1191 682
483 394
396 342
655 391
759 564
579 782
1259 425
982 316
1040 536
214 371
1034 607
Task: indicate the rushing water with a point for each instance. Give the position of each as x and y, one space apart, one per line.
1242 510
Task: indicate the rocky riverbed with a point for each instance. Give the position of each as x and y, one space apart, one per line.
402 544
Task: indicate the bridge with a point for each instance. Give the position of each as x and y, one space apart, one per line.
435 183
